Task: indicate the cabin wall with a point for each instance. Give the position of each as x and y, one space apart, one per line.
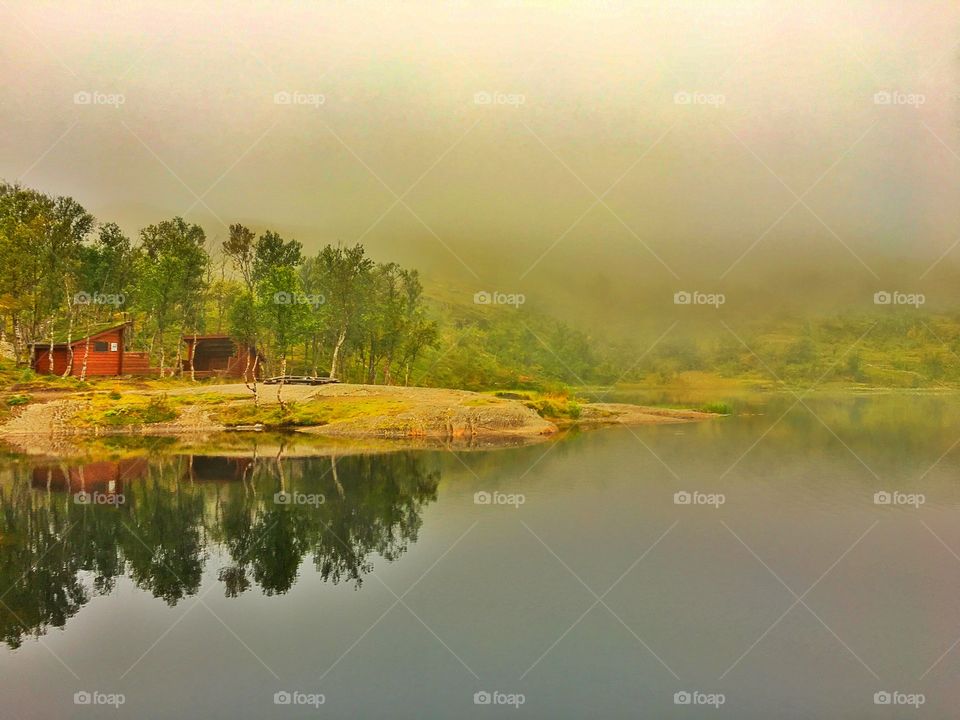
137 363
99 363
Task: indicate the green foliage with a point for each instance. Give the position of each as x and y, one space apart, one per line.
171 275
366 321
555 407
718 407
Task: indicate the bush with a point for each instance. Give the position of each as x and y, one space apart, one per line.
158 410
721 408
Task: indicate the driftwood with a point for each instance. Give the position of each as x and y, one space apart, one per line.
299 380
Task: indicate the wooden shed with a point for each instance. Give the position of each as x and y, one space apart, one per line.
104 350
220 356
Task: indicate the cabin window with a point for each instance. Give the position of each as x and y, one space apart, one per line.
99 346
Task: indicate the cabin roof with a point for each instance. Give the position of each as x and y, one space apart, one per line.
191 337
60 334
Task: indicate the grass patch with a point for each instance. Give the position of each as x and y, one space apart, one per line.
555 407
8 403
513 395
104 409
718 407
481 401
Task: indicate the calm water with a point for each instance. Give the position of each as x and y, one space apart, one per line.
584 588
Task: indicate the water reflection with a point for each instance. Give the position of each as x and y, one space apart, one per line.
68 532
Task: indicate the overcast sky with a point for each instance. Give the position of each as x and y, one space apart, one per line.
595 155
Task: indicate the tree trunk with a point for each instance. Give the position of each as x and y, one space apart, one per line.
387 379
69 368
193 357
336 351
50 357
248 376
371 367
256 387
177 368
86 355
283 372
18 340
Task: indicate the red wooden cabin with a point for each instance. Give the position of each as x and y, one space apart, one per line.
105 353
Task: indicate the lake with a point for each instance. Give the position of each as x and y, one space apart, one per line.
797 559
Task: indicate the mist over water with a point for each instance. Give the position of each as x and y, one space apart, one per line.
596 156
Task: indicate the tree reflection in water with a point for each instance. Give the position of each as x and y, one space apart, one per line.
159 522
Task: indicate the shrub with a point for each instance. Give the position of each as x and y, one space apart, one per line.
158 410
721 408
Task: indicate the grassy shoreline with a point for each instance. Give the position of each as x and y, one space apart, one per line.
166 407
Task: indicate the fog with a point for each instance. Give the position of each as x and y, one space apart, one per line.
596 156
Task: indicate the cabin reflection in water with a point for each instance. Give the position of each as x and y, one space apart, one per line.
105 475
160 521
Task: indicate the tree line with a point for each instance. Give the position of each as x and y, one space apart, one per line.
337 312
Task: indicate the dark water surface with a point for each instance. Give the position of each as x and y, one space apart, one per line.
582 589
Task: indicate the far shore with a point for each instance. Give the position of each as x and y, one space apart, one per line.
360 412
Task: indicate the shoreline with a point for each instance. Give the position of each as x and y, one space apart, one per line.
337 411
